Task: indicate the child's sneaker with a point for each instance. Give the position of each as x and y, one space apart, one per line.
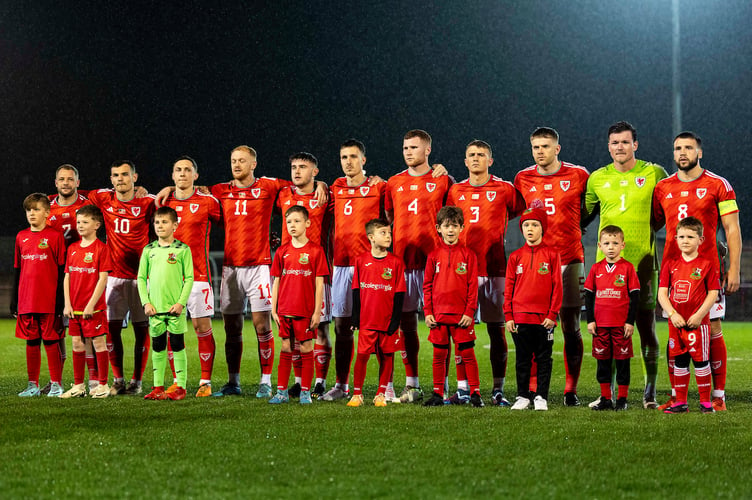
621 404
379 400
681 408
334 394
436 399
76 391
667 404
93 384
476 401
134 388
719 404
294 391
412 394
46 389
540 403
571 399
282 396
390 395
117 388
100 392
157 394
594 403
498 399
228 390
706 408
171 389
204 390
461 397
305 397
56 390
603 404
520 403
264 391
31 390
355 401
177 394
318 390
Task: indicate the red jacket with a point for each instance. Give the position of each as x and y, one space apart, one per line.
450 287
532 290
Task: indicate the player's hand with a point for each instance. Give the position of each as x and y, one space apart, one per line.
439 170
275 317
68 312
591 328
677 320
163 194
694 321
315 320
731 280
374 179
203 189
149 310
628 330
548 324
431 321
88 312
510 326
465 321
322 193
176 309
274 240
141 192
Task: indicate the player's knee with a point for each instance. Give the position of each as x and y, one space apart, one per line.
465 345
700 364
177 342
159 343
682 360
441 346
34 342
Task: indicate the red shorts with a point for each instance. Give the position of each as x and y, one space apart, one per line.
609 343
46 326
295 328
368 339
88 328
442 333
695 342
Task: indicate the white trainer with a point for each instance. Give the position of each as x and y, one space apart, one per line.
520 403
76 391
540 403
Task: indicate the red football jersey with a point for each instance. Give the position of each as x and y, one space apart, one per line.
706 198
450 287
378 279
195 216
84 264
247 216
297 269
39 255
126 224
353 208
612 284
415 201
561 194
63 217
487 209
689 283
320 216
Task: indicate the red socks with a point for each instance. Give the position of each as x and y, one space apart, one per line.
265 349
206 350
322 355
361 363
102 367
79 367
53 362
33 362
718 357
283 370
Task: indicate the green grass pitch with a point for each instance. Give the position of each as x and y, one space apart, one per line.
241 447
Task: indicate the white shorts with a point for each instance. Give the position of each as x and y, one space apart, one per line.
326 306
201 301
342 291
490 299
414 295
241 285
121 295
573 285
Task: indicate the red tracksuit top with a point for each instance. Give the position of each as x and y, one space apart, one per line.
532 290
450 287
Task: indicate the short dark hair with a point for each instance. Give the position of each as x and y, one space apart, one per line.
168 212
450 213
374 224
545 132
35 199
305 157
688 134
354 143
691 223
120 163
418 133
66 166
187 158
91 211
480 144
611 230
297 209
622 126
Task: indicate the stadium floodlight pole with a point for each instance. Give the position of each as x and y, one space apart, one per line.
675 54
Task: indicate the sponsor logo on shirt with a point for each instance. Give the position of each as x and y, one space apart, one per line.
34 256
608 293
297 272
376 286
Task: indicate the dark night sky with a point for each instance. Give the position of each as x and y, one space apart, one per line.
89 85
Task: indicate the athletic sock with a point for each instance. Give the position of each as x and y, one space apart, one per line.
103 367
703 376
573 352
359 373
266 351
671 366
718 357
440 355
410 354
461 374
471 367
159 363
33 362
386 367
283 370
606 390
140 350
533 384
681 380
297 362
623 391
115 347
206 350
90 360
306 361
79 367
53 362
322 355
180 359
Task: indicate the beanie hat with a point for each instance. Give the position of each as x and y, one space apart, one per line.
534 213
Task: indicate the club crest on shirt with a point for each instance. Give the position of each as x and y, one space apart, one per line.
619 281
256 192
135 211
461 268
430 186
696 274
364 190
303 258
171 258
89 257
701 192
564 185
387 274
639 181
313 203
43 243
490 195
544 268
193 207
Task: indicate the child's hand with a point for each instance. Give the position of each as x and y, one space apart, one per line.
628 330
694 321
275 317
68 312
431 321
677 320
315 320
149 310
548 323
591 328
510 326
176 309
465 321
88 311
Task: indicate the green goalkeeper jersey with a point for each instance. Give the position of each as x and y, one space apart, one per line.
625 200
165 275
